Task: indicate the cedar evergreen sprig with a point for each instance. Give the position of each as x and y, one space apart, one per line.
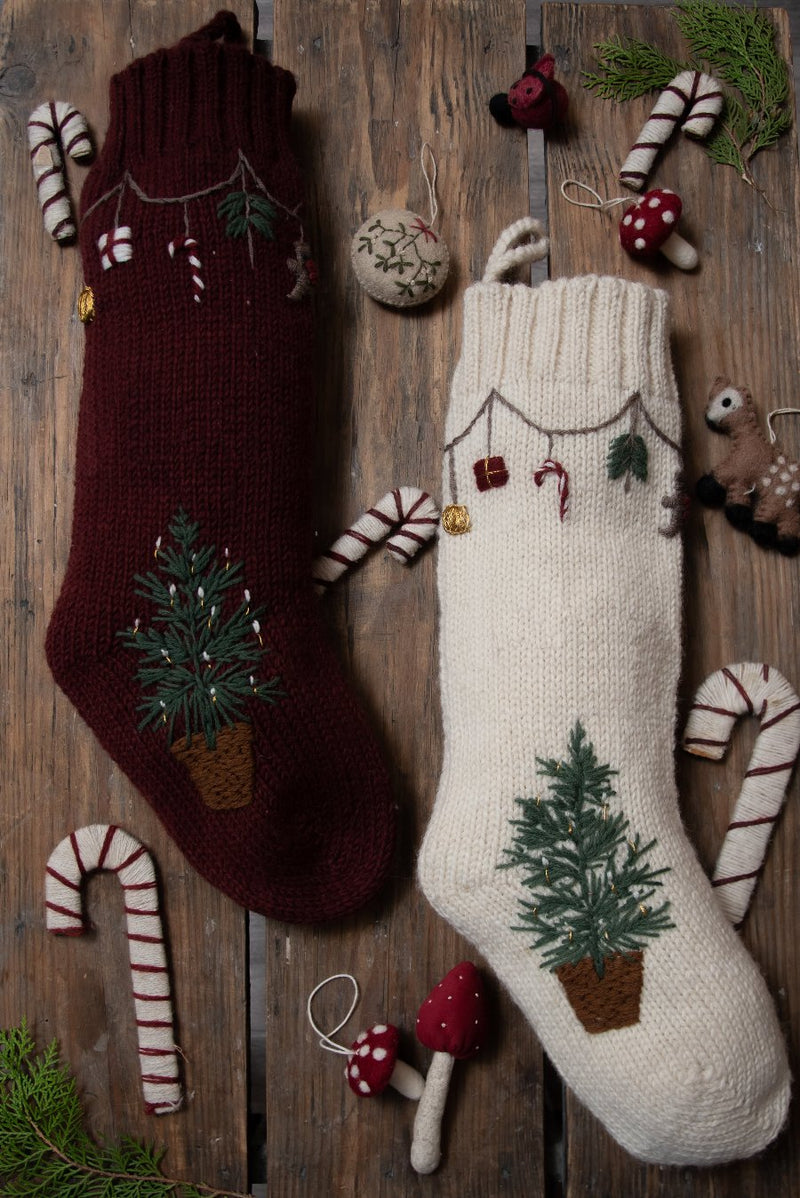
198 666
45 1151
733 42
590 881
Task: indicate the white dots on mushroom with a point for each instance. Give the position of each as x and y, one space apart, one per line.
647 228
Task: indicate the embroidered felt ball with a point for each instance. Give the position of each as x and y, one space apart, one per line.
398 259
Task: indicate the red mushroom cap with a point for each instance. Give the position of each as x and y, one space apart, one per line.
371 1066
453 1018
647 224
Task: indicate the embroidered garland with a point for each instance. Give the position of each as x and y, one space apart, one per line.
248 208
627 459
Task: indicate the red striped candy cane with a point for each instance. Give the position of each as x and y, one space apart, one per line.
692 100
55 128
407 516
747 688
552 467
190 245
103 846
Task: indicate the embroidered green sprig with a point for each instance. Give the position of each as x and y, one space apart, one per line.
589 879
627 455
243 209
735 43
44 1148
199 659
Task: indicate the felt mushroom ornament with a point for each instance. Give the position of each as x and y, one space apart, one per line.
648 228
372 1060
374 1064
452 1022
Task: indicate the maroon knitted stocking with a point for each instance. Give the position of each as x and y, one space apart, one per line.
186 632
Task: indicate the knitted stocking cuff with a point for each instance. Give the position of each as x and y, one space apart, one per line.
172 134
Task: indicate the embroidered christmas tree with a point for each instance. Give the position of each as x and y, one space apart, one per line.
200 658
591 887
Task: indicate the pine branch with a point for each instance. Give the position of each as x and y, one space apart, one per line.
733 42
44 1148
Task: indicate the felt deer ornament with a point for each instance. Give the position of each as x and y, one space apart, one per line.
756 483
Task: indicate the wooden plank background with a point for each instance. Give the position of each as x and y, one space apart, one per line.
375 79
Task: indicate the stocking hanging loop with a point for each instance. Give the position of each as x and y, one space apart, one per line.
224 26
518 245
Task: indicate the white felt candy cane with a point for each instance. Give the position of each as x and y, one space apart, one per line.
103 846
747 688
694 101
408 514
55 128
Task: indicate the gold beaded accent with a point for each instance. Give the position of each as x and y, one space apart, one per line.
86 308
455 519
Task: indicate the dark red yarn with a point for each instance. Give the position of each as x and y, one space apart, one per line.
209 407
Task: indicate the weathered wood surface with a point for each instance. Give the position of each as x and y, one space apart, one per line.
54 776
375 79
737 314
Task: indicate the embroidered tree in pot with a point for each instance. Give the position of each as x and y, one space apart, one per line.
591 887
200 660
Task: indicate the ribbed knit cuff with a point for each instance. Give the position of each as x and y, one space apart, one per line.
568 353
179 115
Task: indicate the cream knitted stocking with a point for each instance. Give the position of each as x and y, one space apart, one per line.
555 844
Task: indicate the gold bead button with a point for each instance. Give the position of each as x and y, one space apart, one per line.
455 519
86 309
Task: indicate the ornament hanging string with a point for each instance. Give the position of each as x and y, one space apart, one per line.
430 181
326 1040
596 202
773 436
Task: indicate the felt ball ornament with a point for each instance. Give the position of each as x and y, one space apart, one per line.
397 256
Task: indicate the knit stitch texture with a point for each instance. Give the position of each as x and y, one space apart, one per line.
545 622
200 398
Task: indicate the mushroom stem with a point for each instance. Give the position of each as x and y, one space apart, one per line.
426 1151
679 252
407 1081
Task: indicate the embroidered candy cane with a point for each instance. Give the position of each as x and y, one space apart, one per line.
408 514
115 247
694 101
552 467
190 245
103 846
747 689
55 128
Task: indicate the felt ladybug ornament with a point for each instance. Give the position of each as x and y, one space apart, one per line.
536 101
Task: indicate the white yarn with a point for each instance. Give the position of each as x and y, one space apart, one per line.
406 516
747 688
115 247
326 1040
103 846
54 127
693 100
543 623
